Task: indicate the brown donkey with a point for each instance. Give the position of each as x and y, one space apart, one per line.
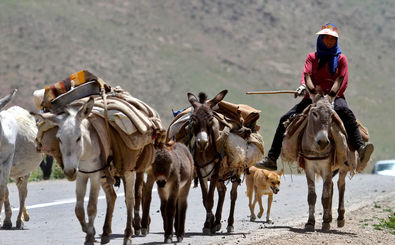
173 172
213 149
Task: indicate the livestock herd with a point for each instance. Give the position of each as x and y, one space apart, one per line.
208 143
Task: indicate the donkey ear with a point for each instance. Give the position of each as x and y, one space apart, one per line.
48 117
193 100
85 109
4 101
220 96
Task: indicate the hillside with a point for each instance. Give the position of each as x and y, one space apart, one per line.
160 50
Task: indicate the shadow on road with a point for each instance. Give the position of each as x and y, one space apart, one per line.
302 230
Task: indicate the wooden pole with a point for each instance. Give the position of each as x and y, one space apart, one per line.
273 92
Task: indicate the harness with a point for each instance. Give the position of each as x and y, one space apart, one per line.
218 154
302 155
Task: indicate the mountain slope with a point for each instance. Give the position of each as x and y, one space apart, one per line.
160 50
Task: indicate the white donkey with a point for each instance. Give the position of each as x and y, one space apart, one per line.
18 156
81 154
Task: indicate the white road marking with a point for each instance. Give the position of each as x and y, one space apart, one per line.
63 201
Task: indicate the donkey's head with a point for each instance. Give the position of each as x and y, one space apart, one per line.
161 166
320 118
202 118
70 135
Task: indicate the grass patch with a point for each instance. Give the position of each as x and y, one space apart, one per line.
37 174
386 223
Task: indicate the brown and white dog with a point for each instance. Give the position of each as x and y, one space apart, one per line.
262 182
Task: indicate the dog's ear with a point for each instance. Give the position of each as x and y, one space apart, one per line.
280 172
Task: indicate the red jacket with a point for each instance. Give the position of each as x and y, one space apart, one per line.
323 77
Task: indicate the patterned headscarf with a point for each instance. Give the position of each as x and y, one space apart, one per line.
331 55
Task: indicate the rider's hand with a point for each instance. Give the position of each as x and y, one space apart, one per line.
300 91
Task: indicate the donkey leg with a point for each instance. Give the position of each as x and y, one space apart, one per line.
129 181
341 185
181 210
208 205
92 207
311 197
170 213
326 200
4 176
22 190
81 183
221 189
138 202
7 224
111 196
147 196
138 192
233 198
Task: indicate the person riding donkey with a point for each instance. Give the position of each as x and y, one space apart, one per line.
325 71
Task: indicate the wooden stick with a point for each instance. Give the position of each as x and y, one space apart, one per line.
273 92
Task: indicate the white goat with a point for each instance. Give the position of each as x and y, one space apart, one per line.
18 156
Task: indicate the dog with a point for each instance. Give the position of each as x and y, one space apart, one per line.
262 182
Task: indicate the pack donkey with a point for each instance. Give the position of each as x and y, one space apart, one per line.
324 151
82 161
173 172
18 156
213 149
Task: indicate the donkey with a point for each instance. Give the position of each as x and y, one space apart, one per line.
173 172
208 157
321 157
81 159
18 156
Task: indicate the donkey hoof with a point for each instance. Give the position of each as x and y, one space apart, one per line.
206 231
309 227
19 225
218 227
127 241
326 226
137 232
7 225
340 222
252 218
260 215
269 221
168 240
144 231
26 217
105 239
180 238
230 229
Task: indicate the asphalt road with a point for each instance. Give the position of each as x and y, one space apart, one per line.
52 219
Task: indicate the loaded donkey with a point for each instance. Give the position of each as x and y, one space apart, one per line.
113 134
218 150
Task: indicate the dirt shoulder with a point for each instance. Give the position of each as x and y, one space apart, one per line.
358 229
